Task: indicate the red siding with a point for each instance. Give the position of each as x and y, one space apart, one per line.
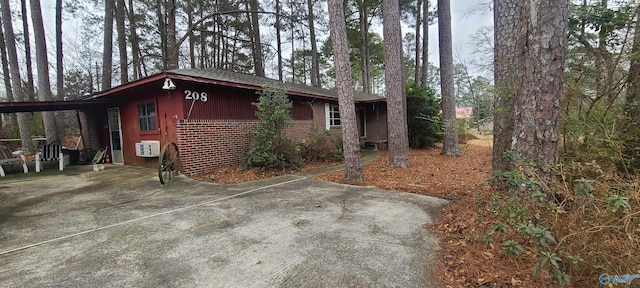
228 103
167 103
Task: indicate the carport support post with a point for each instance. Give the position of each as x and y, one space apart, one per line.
38 162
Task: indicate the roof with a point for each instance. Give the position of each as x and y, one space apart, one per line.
14 107
214 76
228 78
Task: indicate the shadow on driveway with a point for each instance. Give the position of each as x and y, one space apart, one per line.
120 227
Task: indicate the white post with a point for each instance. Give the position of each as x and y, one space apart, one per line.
38 162
60 161
24 164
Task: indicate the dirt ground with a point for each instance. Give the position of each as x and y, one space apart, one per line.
462 263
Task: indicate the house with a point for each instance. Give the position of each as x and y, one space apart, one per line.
208 114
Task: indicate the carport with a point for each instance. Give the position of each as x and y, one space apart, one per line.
89 114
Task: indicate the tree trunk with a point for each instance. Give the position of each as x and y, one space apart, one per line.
173 51
632 105
135 45
192 37
107 52
530 43
450 140
29 86
552 40
315 62
364 46
418 75
600 65
338 29
13 121
398 137
162 29
122 41
14 70
257 45
59 69
424 80
279 41
42 63
506 22
59 54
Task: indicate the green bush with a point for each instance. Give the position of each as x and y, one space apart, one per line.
270 147
423 116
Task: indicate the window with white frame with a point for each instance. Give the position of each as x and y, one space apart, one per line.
332 115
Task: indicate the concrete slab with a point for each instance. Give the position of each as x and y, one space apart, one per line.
121 228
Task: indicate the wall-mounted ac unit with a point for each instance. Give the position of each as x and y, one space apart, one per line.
148 149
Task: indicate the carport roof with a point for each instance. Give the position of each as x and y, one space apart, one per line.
14 107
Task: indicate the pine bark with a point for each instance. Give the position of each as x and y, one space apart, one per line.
506 68
364 46
398 138
353 167
192 37
530 54
450 140
424 77
122 41
107 51
14 70
315 62
42 64
59 53
279 41
173 51
13 120
29 86
257 45
418 73
135 45
551 42
632 104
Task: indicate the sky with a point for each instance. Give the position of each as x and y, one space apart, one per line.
466 20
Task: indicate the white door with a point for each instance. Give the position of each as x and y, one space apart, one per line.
115 135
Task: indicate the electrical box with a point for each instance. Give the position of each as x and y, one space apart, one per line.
148 149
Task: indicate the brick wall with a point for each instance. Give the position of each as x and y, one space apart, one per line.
207 144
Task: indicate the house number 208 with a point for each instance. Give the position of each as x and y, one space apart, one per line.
195 96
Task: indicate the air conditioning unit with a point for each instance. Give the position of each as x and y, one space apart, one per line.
148 149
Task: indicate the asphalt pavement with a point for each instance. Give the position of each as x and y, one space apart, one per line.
121 228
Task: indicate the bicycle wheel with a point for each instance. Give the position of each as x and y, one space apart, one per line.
169 162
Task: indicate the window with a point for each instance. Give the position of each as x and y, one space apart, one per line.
332 114
147 116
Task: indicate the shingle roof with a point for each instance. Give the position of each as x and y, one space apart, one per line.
257 81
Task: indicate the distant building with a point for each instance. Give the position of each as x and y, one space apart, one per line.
464 112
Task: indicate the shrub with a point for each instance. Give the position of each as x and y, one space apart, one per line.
423 116
321 146
270 147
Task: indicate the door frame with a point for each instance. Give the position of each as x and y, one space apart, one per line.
119 132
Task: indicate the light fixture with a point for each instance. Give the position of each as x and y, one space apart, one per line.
168 84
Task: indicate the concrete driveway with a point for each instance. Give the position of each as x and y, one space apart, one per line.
121 228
